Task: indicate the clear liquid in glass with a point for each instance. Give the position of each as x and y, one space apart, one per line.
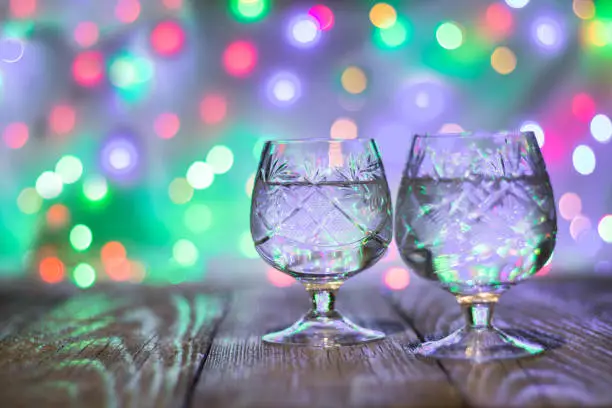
322 232
476 234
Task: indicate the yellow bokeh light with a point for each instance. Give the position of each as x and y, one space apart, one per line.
584 9
354 80
29 201
344 128
383 15
595 33
503 60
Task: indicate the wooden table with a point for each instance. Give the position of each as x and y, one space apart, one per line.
138 346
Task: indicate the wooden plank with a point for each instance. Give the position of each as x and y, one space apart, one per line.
129 346
243 371
577 373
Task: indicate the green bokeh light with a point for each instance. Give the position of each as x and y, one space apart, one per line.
249 10
200 175
197 218
449 35
185 252
95 188
29 201
81 237
394 36
69 168
605 229
131 75
220 158
84 275
247 247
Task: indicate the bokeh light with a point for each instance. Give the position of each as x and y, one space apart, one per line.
21 9
58 216
449 35
596 33
343 128
240 58
200 175
49 185
185 252
86 33
95 188
584 9
220 158
517 3
323 15
130 73
84 275
279 279
303 31
213 108
246 245
354 80
499 21
69 168
119 271
583 159
383 15
173 4
570 206
119 156
548 34
579 225
88 68
180 191
81 237
503 60
167 125
51 270
16 135
168 38
127 11
397 278
604 228
393 36
284 88
113 252
29 201
62 119
537 130
198 218
583 107
249 10
601 128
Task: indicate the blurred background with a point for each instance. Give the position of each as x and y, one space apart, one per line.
130 130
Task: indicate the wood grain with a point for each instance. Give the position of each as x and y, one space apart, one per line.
129 347
242 371
573 373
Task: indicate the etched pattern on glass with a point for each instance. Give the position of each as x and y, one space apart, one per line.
476 218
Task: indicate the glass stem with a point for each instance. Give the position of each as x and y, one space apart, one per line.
323 303
478 315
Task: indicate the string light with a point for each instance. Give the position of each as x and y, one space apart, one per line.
81 237
127 11
21 9
69 168
397 278
49 185
62 119
383 15
220 158
58 216
167 125
29 201
503 60
185 253
303 31
449 35
51 270
284 88
393 36
240 58
84 275
583 107
168 38
601 128
95 188
16 135
200 175
605 228
583 159
180 191
343 128
570 206
213 109
88 68
517 3
323 15
249 10
86 33
354 80
499 20
198 218
584 9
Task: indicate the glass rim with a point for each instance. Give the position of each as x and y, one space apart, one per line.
317 140
477 134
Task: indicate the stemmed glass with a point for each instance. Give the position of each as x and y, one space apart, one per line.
476 214
321 212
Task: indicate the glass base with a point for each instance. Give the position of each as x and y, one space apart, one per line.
479 345
328 331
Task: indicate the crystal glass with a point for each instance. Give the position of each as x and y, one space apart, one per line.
476 214
321 212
